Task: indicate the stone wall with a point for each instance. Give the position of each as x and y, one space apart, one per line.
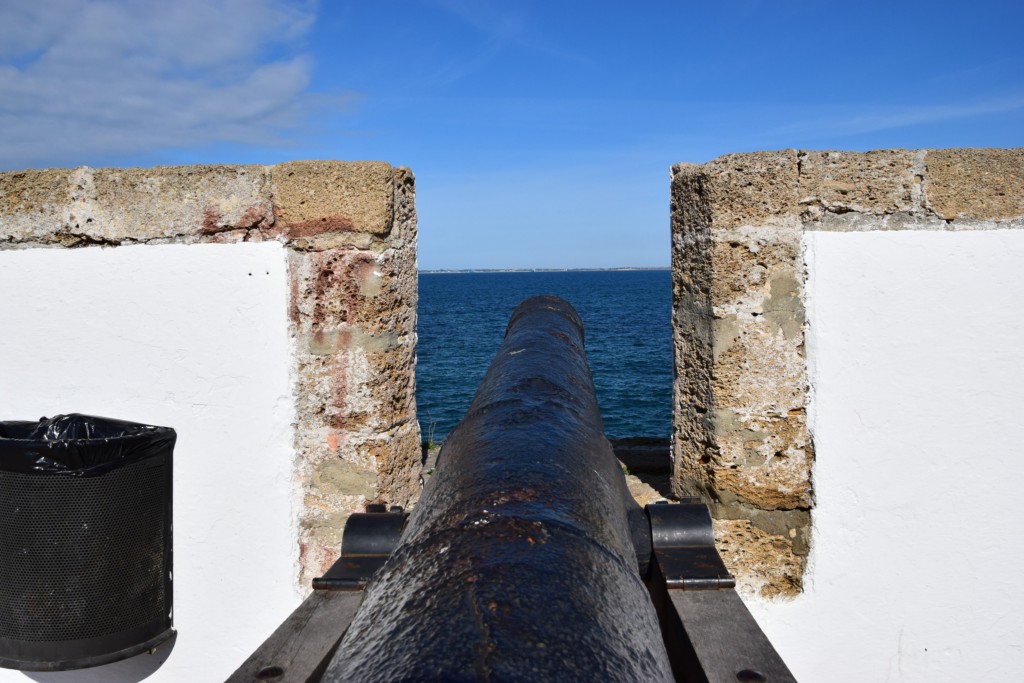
350 231
740 436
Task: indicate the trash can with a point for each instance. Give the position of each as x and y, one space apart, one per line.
85 541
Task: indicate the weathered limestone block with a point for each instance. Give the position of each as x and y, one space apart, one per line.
747 189
763 562
981 184
882 181
351 233
310 205
354 313
758 378
34 204
740 432
114 206
322 203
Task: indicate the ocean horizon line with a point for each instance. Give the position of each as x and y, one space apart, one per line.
444 271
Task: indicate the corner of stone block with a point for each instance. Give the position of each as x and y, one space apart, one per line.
404 176
975 183
764 563
752 189
685 167
321 198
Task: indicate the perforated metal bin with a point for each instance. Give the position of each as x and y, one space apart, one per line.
85 541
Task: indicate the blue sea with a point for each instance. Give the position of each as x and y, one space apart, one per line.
627 321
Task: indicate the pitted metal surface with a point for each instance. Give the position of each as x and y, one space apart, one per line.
518 564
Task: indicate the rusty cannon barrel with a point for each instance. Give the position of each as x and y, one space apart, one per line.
526 559
522 561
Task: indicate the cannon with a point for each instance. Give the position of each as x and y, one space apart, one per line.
526 558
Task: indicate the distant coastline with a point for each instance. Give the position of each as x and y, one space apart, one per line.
442 271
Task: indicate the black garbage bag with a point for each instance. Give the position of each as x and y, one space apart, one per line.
78 445
85 541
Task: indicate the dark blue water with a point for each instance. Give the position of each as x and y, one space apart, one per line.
626 315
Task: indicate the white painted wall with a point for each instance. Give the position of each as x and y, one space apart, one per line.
916 352
194 338
916 362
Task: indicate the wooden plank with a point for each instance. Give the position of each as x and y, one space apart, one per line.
301 648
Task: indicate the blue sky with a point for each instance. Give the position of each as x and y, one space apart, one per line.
541 133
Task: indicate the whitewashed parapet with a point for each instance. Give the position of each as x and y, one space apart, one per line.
740 429
350 228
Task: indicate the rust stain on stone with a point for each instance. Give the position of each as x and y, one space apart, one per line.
337 403
329 342
308 556
253 217
212 221
293 300
336 288
350 422
319 226
305 551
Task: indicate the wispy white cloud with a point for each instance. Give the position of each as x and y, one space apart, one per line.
498 25
84 79
499 20
502 27
856 120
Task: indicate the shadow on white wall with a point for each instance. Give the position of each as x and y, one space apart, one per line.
131 670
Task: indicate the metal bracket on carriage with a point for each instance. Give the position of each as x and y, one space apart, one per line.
366 544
